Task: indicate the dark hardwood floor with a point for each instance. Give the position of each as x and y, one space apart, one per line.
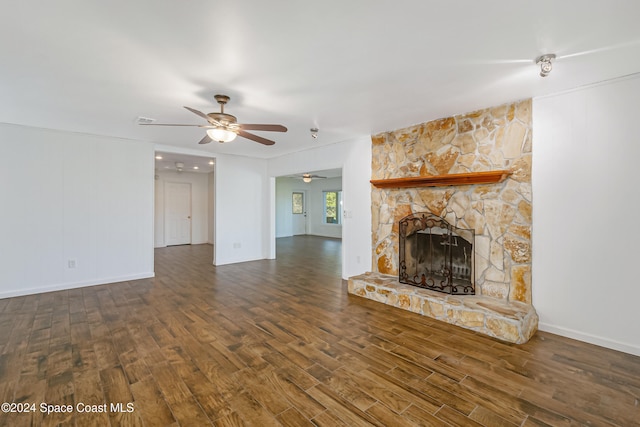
280 342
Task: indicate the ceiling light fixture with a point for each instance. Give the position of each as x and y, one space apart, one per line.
179 166
307 177
211 162
314 133
158 157
221 134
545 64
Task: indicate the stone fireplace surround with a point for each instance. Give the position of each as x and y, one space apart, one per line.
497 138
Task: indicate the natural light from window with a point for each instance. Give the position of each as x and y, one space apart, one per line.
332 207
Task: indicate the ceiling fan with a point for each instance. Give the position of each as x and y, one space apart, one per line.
223 127
307 177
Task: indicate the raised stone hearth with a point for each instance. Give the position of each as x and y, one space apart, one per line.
513 321
494 140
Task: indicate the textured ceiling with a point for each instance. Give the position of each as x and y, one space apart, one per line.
349 68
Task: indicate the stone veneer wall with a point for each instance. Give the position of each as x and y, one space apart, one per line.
489 139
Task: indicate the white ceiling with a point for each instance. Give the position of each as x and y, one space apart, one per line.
350 68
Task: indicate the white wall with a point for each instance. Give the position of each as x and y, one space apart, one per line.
356 195
284 212
211 208
585 228
200 213
73 196
314 205
242 206
354 157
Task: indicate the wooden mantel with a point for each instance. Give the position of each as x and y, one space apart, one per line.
486 177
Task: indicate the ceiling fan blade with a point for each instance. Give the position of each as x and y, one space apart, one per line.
205 140
318 176
168 124
204 116
255 138
199 113
270 128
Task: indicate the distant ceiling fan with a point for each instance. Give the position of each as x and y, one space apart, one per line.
223 127
307 177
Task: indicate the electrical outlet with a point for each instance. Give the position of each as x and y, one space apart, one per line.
71 263
237 245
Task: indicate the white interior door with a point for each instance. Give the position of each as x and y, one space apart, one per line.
177 199
299 209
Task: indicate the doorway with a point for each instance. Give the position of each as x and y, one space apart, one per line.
287 224
184 187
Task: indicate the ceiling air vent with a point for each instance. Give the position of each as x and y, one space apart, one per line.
144 120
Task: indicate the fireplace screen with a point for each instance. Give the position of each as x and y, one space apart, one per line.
436 255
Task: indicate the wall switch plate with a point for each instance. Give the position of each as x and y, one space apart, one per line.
71 263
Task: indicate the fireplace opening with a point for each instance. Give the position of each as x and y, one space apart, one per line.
435 255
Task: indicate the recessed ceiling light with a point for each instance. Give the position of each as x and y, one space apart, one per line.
210 162
195 167
158 157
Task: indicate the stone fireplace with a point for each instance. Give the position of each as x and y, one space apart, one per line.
498 214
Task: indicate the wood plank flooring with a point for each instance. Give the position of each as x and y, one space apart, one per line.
281 343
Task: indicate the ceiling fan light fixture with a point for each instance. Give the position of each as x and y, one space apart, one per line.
306 179
221 134
545 64
223 127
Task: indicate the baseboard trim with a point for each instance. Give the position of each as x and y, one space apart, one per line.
237 261
324 235
591 339
74 285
